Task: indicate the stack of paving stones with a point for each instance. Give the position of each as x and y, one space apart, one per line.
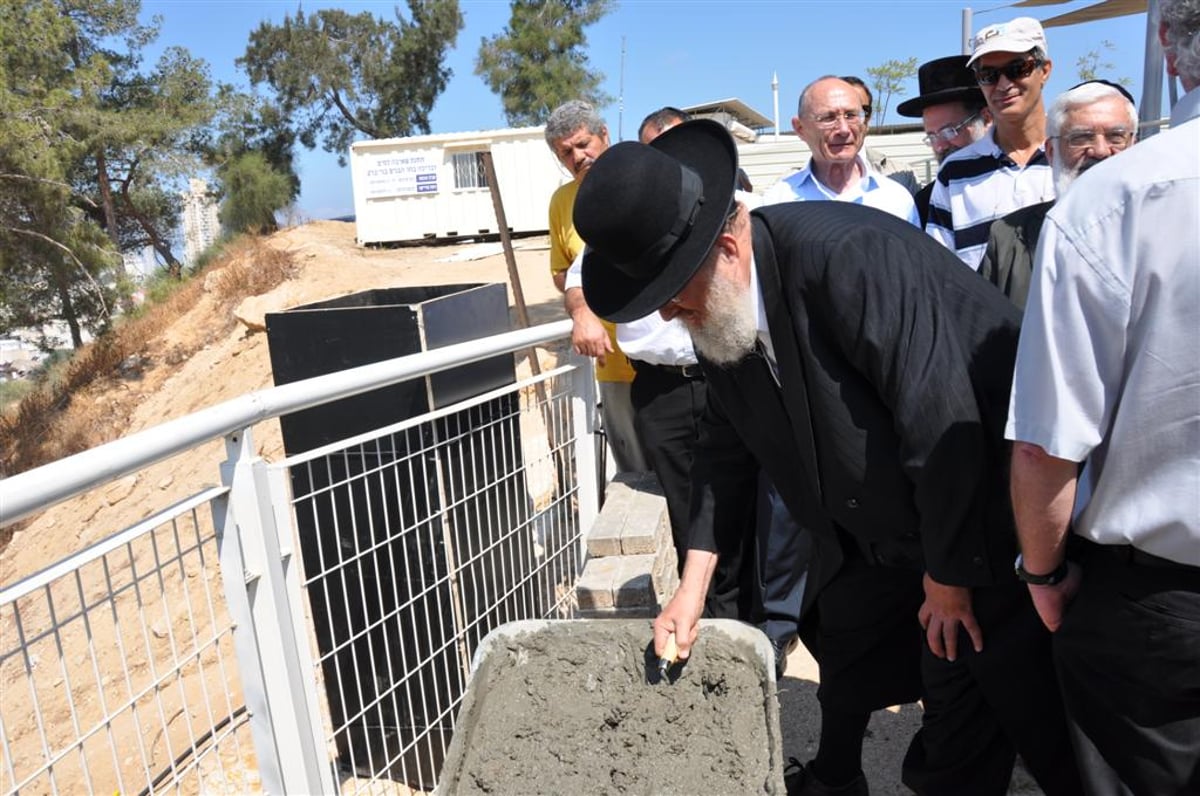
631 570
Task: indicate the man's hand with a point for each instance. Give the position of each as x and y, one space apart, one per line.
682 614
1051 601
945 610
588 335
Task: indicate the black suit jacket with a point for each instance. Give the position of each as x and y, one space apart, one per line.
1008 261
895 362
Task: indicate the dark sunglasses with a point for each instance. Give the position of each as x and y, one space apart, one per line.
1014 71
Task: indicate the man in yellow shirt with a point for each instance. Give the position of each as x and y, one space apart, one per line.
577 136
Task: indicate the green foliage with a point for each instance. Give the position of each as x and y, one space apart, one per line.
253 192
158 287
1091 65
539 61
91 148
887 79
251 123
13 391
338 76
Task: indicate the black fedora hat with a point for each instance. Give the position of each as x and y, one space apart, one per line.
649 215
942 80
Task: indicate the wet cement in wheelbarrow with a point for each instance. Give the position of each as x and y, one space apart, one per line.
578 708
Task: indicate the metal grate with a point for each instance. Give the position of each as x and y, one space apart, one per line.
117 667
419 541
309 625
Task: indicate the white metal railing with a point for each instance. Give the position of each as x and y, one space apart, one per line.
306 625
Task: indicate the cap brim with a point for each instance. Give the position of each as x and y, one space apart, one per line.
913 107
707 148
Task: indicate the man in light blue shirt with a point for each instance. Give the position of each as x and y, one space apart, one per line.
831 122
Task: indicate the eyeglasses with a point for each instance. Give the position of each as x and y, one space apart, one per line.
1013 70
827 121
949 132
1117 138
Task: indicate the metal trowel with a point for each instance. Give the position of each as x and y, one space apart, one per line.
670 654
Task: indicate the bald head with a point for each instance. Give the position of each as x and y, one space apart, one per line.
831 121
821 83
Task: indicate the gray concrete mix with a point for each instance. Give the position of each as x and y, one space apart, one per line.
578 708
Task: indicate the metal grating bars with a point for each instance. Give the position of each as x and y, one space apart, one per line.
309 625
416 543
117 668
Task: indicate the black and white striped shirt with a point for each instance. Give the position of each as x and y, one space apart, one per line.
977 185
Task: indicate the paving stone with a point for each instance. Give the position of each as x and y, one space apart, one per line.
633 519
633 584
594 589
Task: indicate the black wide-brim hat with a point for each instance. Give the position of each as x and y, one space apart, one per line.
650 214
942 80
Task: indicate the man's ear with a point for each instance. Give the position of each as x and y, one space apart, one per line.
1050 149
1167 54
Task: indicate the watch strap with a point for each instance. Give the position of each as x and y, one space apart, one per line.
1052 578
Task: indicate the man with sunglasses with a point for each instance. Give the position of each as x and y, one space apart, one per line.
831 121
953 110
1087 124
1006 169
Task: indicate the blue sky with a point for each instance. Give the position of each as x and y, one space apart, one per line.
677 52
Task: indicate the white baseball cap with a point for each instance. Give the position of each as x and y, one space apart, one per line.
1019 35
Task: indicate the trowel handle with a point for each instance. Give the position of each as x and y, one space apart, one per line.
670 653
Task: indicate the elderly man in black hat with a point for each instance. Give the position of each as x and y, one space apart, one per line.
868 374
953 110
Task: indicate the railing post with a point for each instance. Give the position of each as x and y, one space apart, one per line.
585 419
273 660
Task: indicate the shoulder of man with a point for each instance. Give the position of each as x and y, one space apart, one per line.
784 190
975 158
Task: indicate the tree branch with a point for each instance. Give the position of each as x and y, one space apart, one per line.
337 100
43 181
66 250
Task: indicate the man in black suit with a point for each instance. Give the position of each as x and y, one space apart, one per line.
868 373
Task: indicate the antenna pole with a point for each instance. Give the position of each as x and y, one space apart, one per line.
621 95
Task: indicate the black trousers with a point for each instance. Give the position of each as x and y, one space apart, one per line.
987 707
979 711
864 635
1128 656
783 550
668 406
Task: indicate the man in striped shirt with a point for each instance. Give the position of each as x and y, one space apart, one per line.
1007 168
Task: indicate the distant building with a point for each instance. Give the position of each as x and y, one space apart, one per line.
139 264
201 228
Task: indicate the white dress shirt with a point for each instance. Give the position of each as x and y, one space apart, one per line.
873 190
1108 366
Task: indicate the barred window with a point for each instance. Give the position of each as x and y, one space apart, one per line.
469 171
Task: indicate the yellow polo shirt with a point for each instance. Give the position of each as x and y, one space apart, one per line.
565 245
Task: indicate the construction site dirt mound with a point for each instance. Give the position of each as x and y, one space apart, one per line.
578 707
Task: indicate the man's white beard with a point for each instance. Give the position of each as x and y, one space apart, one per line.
1064 175
729 330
